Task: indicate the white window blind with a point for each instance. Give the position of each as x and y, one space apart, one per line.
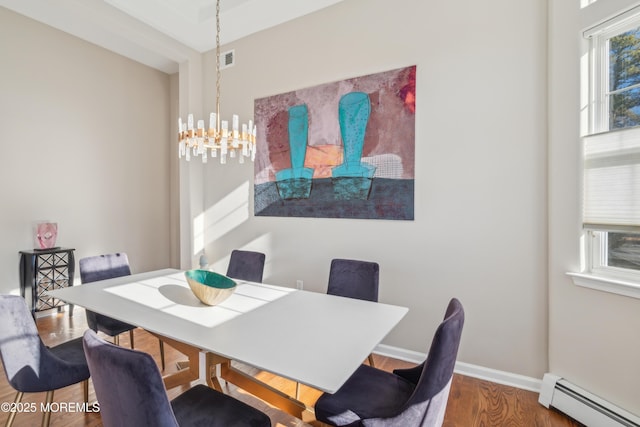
612 180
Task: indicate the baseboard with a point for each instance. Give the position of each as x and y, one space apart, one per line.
400 353
462 368
500 377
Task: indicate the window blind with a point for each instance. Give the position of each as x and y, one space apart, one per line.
612 180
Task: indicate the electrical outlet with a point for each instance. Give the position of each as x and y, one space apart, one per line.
299 284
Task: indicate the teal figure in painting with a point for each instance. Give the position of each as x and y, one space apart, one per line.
352 179
295 182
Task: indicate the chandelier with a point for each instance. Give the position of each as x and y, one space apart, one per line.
218 139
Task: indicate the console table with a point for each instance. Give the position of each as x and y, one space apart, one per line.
45 270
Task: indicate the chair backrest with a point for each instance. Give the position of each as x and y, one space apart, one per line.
427 404
354 279
28 364
246 265
102 267
128 385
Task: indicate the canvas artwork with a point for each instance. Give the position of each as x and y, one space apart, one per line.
339 150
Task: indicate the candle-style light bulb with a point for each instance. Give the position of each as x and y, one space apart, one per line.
245 142
212 121
223 140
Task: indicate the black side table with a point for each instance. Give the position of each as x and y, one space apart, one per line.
45 270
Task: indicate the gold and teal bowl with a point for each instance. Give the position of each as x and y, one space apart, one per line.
211 288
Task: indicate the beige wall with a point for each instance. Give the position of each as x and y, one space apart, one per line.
593 336
85 143
480 208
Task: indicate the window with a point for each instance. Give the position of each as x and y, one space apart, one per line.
611 209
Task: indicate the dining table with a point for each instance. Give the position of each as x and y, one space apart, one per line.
312 338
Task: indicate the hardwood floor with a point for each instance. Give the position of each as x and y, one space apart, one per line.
472 402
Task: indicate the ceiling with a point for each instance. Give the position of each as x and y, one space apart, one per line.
162 33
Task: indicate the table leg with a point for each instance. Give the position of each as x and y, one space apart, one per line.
188 374
245 381
254 386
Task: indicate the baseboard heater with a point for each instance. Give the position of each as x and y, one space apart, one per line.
583 406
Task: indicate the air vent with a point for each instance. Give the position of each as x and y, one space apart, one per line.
227 59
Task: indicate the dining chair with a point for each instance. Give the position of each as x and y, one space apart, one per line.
246 265
32 367
131 392
407 397
354 279
102 267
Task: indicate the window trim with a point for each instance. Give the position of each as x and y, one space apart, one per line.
596 247
596 274
599 66
606 284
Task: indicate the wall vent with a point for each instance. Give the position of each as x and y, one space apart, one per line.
227 59
583 406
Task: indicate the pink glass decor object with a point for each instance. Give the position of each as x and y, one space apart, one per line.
46 235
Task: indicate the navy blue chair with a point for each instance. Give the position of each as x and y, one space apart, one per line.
103 267
414 397
246 265
29 365
131 392
354 279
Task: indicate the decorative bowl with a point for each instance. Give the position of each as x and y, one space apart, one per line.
209 287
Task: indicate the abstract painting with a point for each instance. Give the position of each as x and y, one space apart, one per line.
338 150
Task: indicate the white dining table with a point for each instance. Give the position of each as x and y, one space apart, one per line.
313 338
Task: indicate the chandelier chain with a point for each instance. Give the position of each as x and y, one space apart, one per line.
218 64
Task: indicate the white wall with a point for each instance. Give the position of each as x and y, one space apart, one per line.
480 211
85 143
593 336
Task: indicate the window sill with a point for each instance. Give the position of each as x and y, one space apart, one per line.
606 284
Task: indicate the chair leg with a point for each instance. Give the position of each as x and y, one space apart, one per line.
131 337
12 415
161 353
46 417
371 361
85 390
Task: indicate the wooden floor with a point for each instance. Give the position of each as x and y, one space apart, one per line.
472 402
